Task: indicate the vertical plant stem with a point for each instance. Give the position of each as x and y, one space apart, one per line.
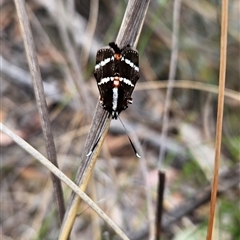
40 99
159 207
172 73
70 52
129 30
222 76
92 23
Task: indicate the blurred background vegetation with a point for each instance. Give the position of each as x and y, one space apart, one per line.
120 183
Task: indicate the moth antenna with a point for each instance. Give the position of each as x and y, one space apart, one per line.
93 148
134 149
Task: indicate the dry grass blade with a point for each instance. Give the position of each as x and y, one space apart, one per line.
40 99
172 73
93 16
86 168
222 76
128 33
63 177
187 84
70 51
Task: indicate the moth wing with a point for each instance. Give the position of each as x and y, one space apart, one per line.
104 69
129 72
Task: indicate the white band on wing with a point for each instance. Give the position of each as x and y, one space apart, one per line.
131 64
127 81
104 62
105 80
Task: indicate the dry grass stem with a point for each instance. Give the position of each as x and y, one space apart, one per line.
70 51
183 66
187 84
40 99
60 175
222 77
172 73
90 30
129 30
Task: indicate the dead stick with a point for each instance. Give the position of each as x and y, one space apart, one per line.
159 212
40 100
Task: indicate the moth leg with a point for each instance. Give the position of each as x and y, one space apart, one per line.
129 100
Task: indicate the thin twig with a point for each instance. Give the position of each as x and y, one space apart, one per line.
78 73
159 207
187 84
222 76
56 55
227 180
92 22
130 28
40 100
172 73
60 175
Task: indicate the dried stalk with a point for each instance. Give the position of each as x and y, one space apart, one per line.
70 51
40 100
187 84
222 76
172 73
228 179
128 34
90 30
60 175
159 207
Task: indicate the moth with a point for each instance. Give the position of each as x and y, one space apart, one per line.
116 73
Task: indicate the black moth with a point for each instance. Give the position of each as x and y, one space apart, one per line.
116 73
